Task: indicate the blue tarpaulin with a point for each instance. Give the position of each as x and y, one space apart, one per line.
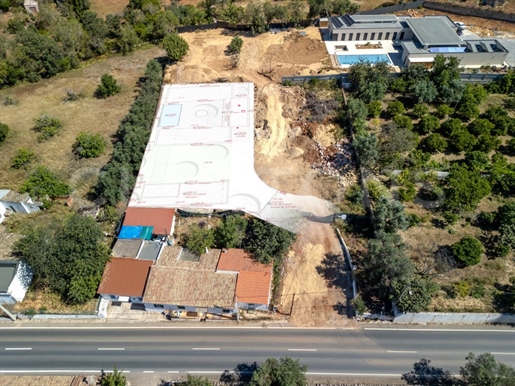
130 232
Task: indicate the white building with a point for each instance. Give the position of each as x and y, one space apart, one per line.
12 202
15 278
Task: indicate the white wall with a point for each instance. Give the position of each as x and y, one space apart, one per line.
21 282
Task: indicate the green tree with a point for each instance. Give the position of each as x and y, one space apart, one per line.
424 91
230 233
266 241
43 182
319 8
445 75
420 110
462 140
370 82
468 110
235 46
342 7
4 132
487 142
199 238
407 192
116 378
480 126
443 111
366 146
108 87
175 46
375 108
413 295
505 218
433 143
428 124
279 372
403 122
76 7
356 111
394 108
68 257
47 127
476 160
502 122
464 189
389 215
196 381
22 158
256 18
89 145
484 370
394 143
467 251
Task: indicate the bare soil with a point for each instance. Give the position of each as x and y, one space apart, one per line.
25 380
41 301
103 8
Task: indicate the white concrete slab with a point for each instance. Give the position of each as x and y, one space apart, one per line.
201 155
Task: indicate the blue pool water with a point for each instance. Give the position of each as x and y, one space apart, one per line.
353 59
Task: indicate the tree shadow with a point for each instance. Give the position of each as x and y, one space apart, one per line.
423 374
242 373
504 299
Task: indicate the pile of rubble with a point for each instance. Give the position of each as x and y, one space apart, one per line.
336 161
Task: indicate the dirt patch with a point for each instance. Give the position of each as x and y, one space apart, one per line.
41 301
103 8
14 380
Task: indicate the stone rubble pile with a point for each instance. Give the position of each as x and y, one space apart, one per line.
336 161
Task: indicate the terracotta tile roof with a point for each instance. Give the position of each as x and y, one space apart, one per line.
159 218
253 287
237 260
190 287
124 277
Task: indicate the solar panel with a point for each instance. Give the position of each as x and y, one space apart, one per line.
447 49
336 22
348 19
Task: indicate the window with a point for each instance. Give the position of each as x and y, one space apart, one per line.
402 36
380 37
387 37
351 36
343 36
358 36
181 307
159 306
373 36
365 36
394 36
226 311
113 297
335 36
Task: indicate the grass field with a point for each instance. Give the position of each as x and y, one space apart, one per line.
88 114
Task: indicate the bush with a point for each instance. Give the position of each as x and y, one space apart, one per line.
428 124
443 111
403 122
408 192
4 132
73 96
47 127
467 251
420 110
394 108
375 108
433 143
43 182
22 158
108 87
89 145
235 46
175 46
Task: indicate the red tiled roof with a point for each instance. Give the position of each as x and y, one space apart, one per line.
125 277
237 260
159 218
253 287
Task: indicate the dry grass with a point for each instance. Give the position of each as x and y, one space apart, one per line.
25 380
106 7
89 114
42 301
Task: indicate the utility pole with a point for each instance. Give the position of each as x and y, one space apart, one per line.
292 303
237 309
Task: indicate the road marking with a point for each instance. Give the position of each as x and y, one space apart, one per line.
111 349
355 374
502 353
173 372
205 349
401 352
149 372
18 349
433 330
81 371
203 372
302 349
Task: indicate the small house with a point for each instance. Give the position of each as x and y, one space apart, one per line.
12 202
15 279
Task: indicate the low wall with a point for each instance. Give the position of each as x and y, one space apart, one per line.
468 11
393 8
455 318
349 262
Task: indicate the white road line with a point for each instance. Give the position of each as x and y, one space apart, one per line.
302 349
173 372
503 353
203 372
111 349
18 349
433 330
401 352
205 349
355 374
81 371
148 372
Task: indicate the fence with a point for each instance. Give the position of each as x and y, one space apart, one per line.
393 8
241 27
468 11
348 259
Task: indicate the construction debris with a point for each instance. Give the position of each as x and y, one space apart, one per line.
336 161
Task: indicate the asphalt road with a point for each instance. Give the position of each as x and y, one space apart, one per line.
361 351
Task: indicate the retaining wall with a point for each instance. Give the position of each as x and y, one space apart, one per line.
468 11
452 318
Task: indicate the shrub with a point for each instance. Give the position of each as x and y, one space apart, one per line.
462 288
73 96
89 145
43 182
108 87
47 127
235 45
408 192
462 140
433 143
420 110
375 108
394 108
4 132
480 126
467 251
175 46
22 158
403 122
443 111
428 124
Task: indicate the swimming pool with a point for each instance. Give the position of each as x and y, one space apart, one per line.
353 59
